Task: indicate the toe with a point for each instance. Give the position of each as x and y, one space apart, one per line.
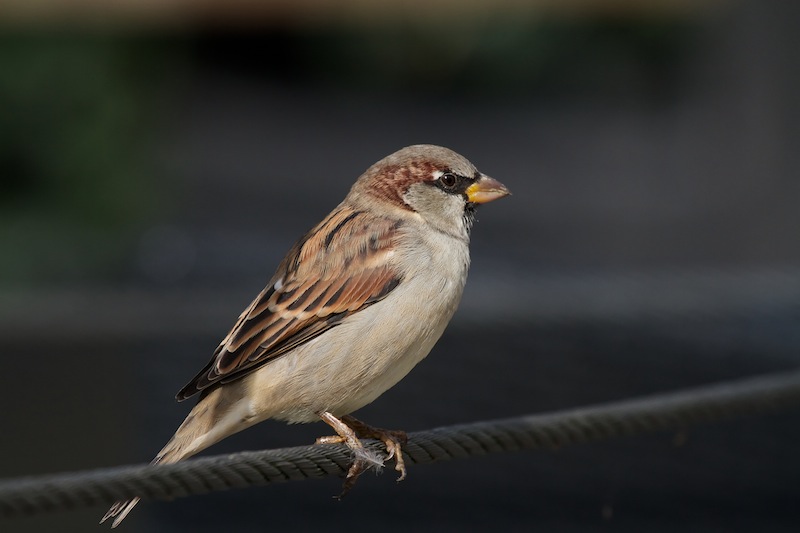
400 466
330 439
356 469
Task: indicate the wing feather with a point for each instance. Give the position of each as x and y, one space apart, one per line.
340 267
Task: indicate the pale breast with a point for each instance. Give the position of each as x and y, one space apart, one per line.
355 362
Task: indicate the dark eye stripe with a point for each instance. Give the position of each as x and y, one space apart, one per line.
460 186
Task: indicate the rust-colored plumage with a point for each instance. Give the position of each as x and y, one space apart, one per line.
271 325
395 180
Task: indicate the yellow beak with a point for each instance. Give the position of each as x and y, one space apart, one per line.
486 189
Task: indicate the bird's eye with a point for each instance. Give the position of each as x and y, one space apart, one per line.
448 180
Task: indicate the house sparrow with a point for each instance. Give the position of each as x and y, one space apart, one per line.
356 303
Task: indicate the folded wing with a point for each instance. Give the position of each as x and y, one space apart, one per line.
339 268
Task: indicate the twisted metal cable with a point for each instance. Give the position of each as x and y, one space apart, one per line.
34 495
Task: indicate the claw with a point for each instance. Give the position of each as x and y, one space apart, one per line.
349 431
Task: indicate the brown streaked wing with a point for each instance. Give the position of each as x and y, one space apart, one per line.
339 268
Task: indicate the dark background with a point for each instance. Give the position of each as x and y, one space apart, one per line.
157 162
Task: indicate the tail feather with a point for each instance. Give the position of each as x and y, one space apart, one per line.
204 426
119 511
175 450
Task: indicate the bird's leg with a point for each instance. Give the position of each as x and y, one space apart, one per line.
348 431
346 435
392 439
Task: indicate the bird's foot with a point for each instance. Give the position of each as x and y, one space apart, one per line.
349 431
392 439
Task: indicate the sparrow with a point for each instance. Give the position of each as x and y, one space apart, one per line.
353 307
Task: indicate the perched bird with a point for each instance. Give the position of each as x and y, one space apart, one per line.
355 304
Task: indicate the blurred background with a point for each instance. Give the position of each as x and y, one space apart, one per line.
157 159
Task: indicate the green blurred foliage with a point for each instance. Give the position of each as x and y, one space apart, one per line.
74 176
78 111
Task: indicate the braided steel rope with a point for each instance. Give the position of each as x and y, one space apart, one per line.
34 495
